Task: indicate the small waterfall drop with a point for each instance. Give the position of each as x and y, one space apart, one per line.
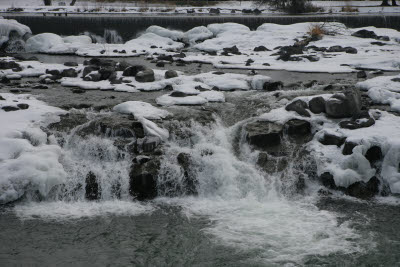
109 37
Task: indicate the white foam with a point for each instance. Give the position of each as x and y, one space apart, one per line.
61 210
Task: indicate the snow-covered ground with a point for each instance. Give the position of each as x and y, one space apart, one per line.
225 7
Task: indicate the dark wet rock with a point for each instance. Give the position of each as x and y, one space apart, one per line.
232 50
165 58
94 77
89 69
190 181
160 64
271 164
348 148
361 120
374 154
344 105
327 180
8 65
298 106
121 66
40 86
5 80
92 188
110 126
68 122
263 134
141 159
310 83
365 34
218 73
170 74
330 139
71 64
178 94
9 108
23 106
384 38
145 76
133 70
298 128
361 74
108 73
149 144
364 190
266 64
272 86
2 98
378 43
214 11
286 52
317 105
53 72
261 48
180 55
311 58
69 73
396 80
143 179
350 50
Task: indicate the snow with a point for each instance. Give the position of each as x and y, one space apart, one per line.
196 34
166 100
141 109
160 31
8 25
212 96
54 44
153 129
383 90
25 156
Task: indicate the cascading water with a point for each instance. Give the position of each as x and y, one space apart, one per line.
206 171
109 37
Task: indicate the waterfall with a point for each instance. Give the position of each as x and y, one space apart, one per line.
109 37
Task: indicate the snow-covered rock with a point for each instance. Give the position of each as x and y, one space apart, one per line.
141 109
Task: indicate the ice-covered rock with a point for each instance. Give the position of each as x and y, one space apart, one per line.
141 109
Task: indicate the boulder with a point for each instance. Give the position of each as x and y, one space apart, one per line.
364 190
327 180
298 106
133 70
190 181
317 105
263 134
89 69
261 48
297 128
108 73
92 188
365 34
374 154
344 105
271 164
23 106
8 65
214 11
72 73
350 50
231 50
94 77
9 108
330 139
272 86
361 74
170 74
145 76
358 122
348 148
143 179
